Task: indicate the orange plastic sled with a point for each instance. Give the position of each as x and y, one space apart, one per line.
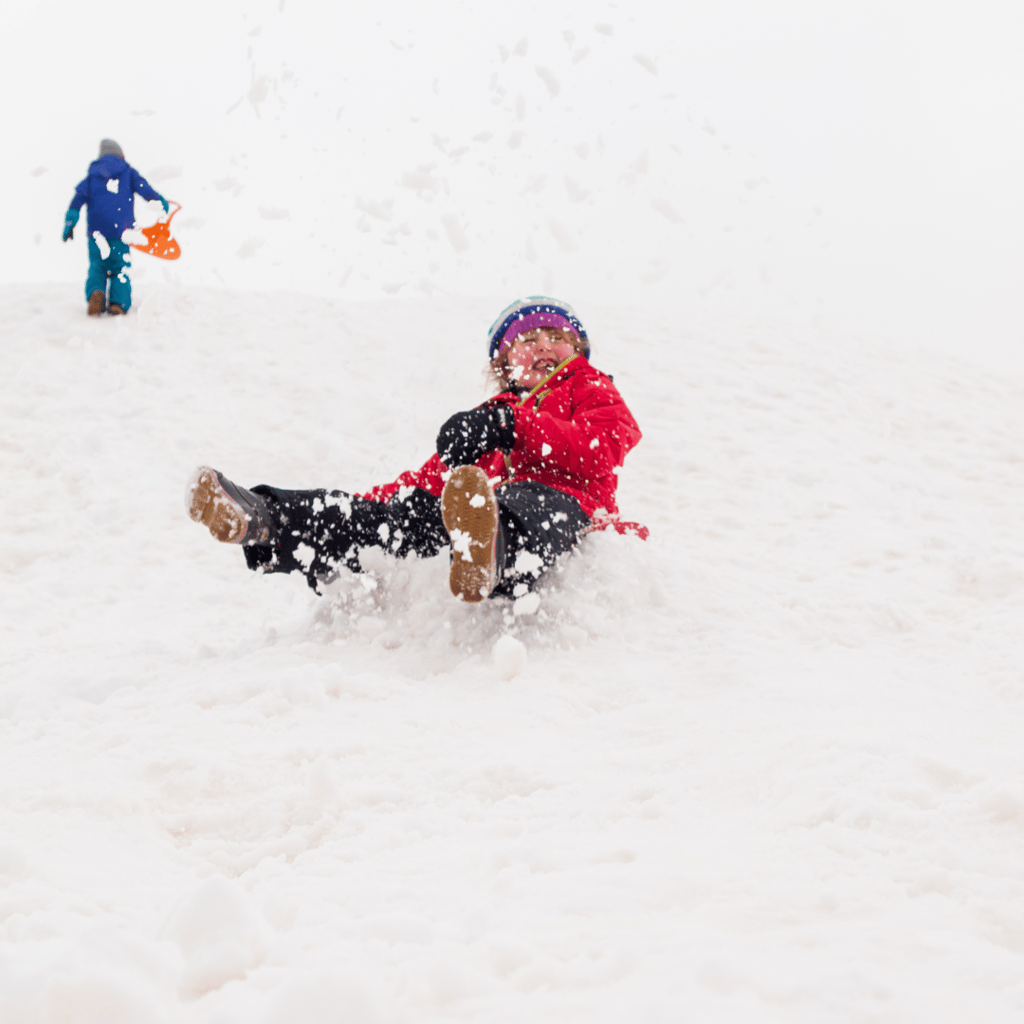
160 242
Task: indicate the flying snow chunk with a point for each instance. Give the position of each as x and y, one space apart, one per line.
646 63
453 229
526 605
667 210
658 269
304 555
554 86
509 656
249 248
101 243
229 184
461 542
112 184
561 235
258 92
380 210
423 181
527 563
576 192
165 172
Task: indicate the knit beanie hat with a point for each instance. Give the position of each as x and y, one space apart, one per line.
108 146
528 314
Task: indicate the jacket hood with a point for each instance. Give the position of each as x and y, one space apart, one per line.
109 166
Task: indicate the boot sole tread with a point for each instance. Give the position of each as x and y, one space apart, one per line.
472 578
209 505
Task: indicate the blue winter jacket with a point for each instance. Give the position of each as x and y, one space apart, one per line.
109 192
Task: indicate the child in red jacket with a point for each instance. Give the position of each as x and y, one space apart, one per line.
514 483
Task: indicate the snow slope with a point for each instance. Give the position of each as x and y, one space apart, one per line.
764 767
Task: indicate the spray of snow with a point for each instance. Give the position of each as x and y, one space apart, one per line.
101 243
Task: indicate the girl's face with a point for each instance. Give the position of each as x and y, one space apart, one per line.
532 356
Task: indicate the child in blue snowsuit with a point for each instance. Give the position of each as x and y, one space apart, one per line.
109 192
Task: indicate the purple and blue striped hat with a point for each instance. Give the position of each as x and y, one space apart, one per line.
528 314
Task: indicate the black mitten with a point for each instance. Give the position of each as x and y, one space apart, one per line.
469 435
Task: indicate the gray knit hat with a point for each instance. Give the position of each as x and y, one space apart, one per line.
110 146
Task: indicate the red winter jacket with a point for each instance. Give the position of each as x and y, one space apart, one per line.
573 431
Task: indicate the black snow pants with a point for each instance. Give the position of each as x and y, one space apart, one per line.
319 531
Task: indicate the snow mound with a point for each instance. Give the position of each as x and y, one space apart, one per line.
218 935
761 764
601 593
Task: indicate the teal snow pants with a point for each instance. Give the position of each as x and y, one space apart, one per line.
113 269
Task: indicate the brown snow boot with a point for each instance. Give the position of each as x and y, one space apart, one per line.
97 301
116 310
231 513
470 513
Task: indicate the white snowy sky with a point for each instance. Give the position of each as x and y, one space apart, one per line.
855 166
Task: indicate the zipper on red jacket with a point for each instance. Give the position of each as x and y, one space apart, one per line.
534 391
565 362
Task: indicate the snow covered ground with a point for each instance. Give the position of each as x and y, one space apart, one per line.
766 766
